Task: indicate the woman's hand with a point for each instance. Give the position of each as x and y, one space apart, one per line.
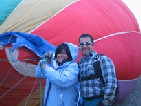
43 65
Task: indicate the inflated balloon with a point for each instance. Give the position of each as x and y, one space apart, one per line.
30 13
6 7
111 23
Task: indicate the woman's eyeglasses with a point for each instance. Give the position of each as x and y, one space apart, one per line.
86 43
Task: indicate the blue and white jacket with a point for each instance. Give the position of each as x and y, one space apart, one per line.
61 81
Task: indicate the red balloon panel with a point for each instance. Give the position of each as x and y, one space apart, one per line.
97 17
125 51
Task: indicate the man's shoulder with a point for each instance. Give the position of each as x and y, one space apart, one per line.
104 59
81 60
102 56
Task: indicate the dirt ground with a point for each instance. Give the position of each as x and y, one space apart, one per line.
134 98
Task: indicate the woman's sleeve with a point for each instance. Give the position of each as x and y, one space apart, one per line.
40 73
66 78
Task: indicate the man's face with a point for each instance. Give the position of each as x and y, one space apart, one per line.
86 46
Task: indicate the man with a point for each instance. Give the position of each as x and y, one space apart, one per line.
94 91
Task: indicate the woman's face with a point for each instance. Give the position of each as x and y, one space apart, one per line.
62 56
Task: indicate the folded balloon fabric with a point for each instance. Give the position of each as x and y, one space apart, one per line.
33 42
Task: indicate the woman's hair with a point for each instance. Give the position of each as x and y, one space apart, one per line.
62 47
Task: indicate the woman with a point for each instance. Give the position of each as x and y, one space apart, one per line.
61 75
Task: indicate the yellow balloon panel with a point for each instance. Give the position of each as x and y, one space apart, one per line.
31 13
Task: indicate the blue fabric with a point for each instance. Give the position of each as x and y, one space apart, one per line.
61 86
33 42
93 102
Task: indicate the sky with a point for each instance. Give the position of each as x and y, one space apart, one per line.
135 7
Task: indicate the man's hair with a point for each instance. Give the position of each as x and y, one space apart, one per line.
62 47
85 36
